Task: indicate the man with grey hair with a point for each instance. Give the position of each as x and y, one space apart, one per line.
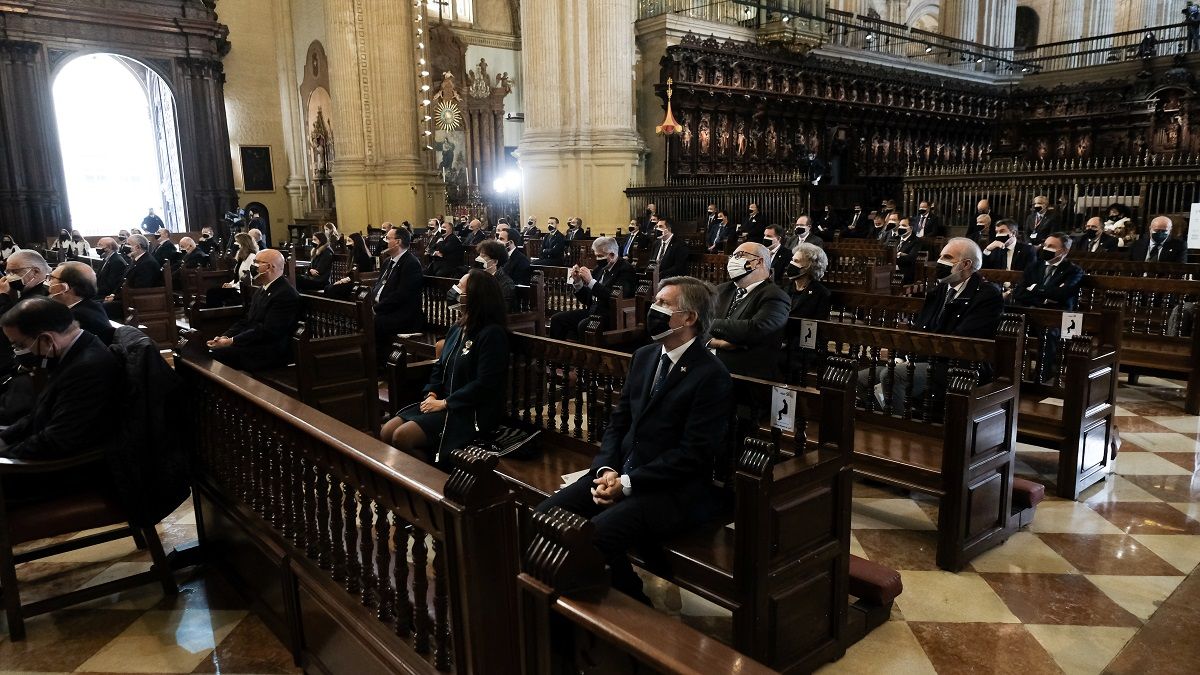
593 289
263 339
144 272
1158 245
24 278
112 272
652 478
751 314
475 233
74 285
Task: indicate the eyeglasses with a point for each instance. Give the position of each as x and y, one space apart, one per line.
742 255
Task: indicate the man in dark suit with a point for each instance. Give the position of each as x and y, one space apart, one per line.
74 285
112 272
669 255
193 256
751 315
781 254
531 230
1053 281
445 253
634 242
574 229
1006 251
25 277
908 246
208 241
927 225
826 224
653 475
803 233
885 228
717 233
981 231
145 271
1094 239
1160 246
710 220
754 226
554 246
475 233
396 294
263 339
649 218
1041 221
517 268
166 250
594 288
859 225
984 208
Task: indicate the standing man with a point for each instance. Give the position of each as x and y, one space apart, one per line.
1191 20
1040 222
446 253
755 224
151 224
396 295
710 220
751 314
669 256
263 339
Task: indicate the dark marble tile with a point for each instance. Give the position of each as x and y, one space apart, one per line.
865 488
1058 599
1151 409
1169 488
63 640
39 580
209 591
1133 423
1147 517
1167 645
977 648
1187 460
900 549
1108 554
250 648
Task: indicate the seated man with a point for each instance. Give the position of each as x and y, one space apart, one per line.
112 271
74 285
653 475
669 254
927 225
781 254
963 305
445 253
75 404
1006 251
145 271
1094 239
1053 281
208 241
554 246
593 289
24 277
751 314
517 268
908 247
1159 246
263 339
718 232
165 251
396 295
193 255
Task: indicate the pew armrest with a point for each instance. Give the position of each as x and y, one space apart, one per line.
9 465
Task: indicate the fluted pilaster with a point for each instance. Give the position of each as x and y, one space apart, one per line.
289 104
345 47
391 36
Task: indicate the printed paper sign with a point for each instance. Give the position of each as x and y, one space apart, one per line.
808 333
1193 239
783 408
1072 324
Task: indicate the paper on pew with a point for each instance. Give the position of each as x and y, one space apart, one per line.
572 477
409 335
1052 401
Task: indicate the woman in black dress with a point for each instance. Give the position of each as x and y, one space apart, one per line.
810 300
316 277
360 254
465 393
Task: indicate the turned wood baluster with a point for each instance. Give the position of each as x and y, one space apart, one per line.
278 486
384 589
402 611
353 564
580 382
441 653
539 366
295 483
337 490
367 579
420 562
324 545
311 543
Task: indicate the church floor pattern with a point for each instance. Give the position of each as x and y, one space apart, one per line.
1108 584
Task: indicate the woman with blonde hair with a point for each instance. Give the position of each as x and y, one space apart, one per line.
230 293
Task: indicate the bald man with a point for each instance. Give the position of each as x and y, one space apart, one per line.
1094 239
193 255
74 285
262 340
1157 246
751 314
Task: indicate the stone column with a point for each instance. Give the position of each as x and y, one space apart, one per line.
961 20
1101 20
289 104
580 148
204 130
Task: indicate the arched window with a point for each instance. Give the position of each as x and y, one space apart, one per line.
460 11
120 144
1028 24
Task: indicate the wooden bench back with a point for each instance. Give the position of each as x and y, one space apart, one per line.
335 360
198 281
708 267
341 266
153 308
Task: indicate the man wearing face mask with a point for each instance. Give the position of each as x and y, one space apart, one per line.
491 259
634 243
1053 281
554 246
24 278
574 229
75 401
166 251
475 234
194 257
445 254
531 230
710 219
593 289
751 314
755 225
1159 246
860 224
517 268
668 255
112 272
885 228
718 232
774 239
1094 239
263 339
984 208
826 224
803 233
1041 221
926 224
208 241
650 217
981 231
74 285
145 271
1006 251
908 245
651 479
396 295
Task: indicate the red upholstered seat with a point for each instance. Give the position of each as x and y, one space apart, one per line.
1026 494
62 515
873 582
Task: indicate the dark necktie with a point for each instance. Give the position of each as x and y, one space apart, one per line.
662 248
383 278
1154 251
951 294
921 227
737 300
664 369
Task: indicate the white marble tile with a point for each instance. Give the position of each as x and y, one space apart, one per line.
856 547
1184 425
1114 488
1081 650
1023 552
1071 517
891 648
1159 442
1180 550
941 596
1139 595
1146 464
173 641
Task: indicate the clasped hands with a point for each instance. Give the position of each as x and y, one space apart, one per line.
220 341
608 490
432 404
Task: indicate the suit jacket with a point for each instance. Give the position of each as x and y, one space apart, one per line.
554 249
621 276
145 272
1173 250
632 244
668 442
166 251
754 227
76 402
197 258
475 238
1106 243
574 234
906 255
1023 256
468 379
323 264
717 234
270 321
1037 233
1051 289
451 260
398 287
517 268
975 312
857 226
91 317
755 327
112 273
531 232
810 239
933 226
779 263
825 225
674 258
883 235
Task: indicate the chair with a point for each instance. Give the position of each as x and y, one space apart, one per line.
60 515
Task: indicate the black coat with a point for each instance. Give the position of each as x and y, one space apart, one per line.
517 268
973 313
475 238
716 236
1036 233
323 264
779 264
668 443
145 272
1023 256
858 226
554 249
1107 244
112 273
469 373
451 260
167 251
933 226
263 338
1173 250
92 318
76 403
1057 289
754 227
632 245
197 258
398 289
810 303
674 261
755 327
622 276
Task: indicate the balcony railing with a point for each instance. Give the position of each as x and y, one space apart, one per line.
1129 45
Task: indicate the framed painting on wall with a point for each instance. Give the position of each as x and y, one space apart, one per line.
257 173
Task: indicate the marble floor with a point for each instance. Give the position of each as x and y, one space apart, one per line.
1108 584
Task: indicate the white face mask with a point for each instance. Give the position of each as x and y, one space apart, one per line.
482 261
737 268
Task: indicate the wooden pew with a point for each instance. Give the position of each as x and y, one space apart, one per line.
197 282
708 267
152 309
856 264
314 521
782 569
1082 376
1128 268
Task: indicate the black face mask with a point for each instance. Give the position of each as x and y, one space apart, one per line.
944 270
7 243
922 211
795 271
1047 255
1002 238
126 249
253 271
1039 209
657 322
1159 237
27 359
17 285
1089 234
77 239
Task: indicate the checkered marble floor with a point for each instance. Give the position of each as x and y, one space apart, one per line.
1108 584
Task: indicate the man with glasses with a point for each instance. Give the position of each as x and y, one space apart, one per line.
751 314
396 295
74 285
24 277
263 339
